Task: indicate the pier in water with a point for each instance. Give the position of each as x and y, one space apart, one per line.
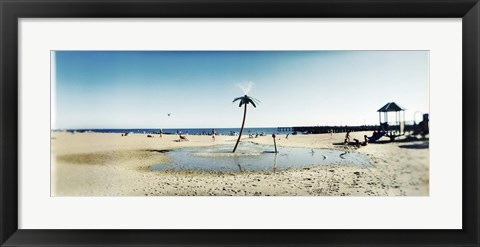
252 157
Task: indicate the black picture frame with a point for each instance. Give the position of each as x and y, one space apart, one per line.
12 10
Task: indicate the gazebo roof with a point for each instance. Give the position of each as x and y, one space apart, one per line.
390 106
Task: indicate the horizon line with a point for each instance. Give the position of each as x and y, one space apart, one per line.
224 127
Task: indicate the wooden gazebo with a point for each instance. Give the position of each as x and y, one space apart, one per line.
392 128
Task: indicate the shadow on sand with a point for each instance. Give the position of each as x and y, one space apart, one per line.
409 139
406 140
416 146
158 150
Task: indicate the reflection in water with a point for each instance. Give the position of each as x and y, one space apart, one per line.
274 163
253 157
342 154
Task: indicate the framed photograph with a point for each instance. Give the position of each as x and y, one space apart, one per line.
272 123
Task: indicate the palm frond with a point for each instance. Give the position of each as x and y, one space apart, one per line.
247 100
252 102
255 100
239 98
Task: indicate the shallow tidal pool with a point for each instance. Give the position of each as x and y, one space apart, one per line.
251 157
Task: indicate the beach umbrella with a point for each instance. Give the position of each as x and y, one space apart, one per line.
244 100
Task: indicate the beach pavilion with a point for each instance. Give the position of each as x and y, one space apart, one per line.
395 126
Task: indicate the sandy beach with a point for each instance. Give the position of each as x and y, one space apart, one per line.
107 164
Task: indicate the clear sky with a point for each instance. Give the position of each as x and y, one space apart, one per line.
138 89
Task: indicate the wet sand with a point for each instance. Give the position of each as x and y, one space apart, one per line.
101 164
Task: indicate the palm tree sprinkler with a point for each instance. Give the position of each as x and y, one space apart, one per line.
244 100
274 142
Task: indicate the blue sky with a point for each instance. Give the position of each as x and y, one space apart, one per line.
137 89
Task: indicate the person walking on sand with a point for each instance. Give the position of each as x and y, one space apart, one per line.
213 135
347 137
161 132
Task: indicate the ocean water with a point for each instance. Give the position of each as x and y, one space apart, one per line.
190 131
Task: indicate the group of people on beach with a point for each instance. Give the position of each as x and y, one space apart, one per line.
355 142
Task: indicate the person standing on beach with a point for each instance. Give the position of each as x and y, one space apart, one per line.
213 135
161 132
